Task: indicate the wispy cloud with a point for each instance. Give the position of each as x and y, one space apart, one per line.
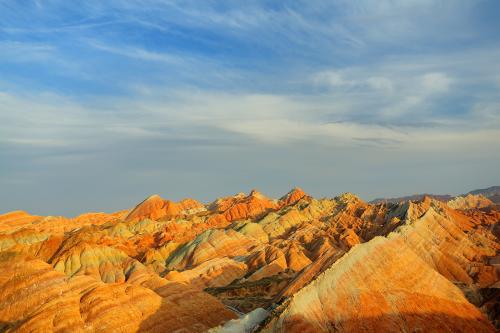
136 53
16 51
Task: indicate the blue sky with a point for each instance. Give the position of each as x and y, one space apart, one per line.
105 102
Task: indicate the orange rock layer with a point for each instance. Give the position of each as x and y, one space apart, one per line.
324 265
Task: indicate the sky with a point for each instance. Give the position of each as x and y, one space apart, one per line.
103 103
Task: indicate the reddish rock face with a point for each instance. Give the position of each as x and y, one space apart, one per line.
292 197
155 208
244 207
337 264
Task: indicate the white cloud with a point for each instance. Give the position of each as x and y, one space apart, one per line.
49 120
331 78
436 82
381 83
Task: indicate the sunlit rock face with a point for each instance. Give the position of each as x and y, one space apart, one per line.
156 208
36 298
470 201
381 285
312 265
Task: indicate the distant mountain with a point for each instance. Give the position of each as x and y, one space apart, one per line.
492 193
414 197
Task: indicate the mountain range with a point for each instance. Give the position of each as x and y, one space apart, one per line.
250 263
492 193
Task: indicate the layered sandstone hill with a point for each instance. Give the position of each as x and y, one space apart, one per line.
401 282
306 264
470 201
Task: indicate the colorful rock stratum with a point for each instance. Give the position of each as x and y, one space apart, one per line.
248 263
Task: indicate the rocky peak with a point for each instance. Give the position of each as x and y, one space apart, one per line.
292 197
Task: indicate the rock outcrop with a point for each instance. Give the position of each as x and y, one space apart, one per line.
155 208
